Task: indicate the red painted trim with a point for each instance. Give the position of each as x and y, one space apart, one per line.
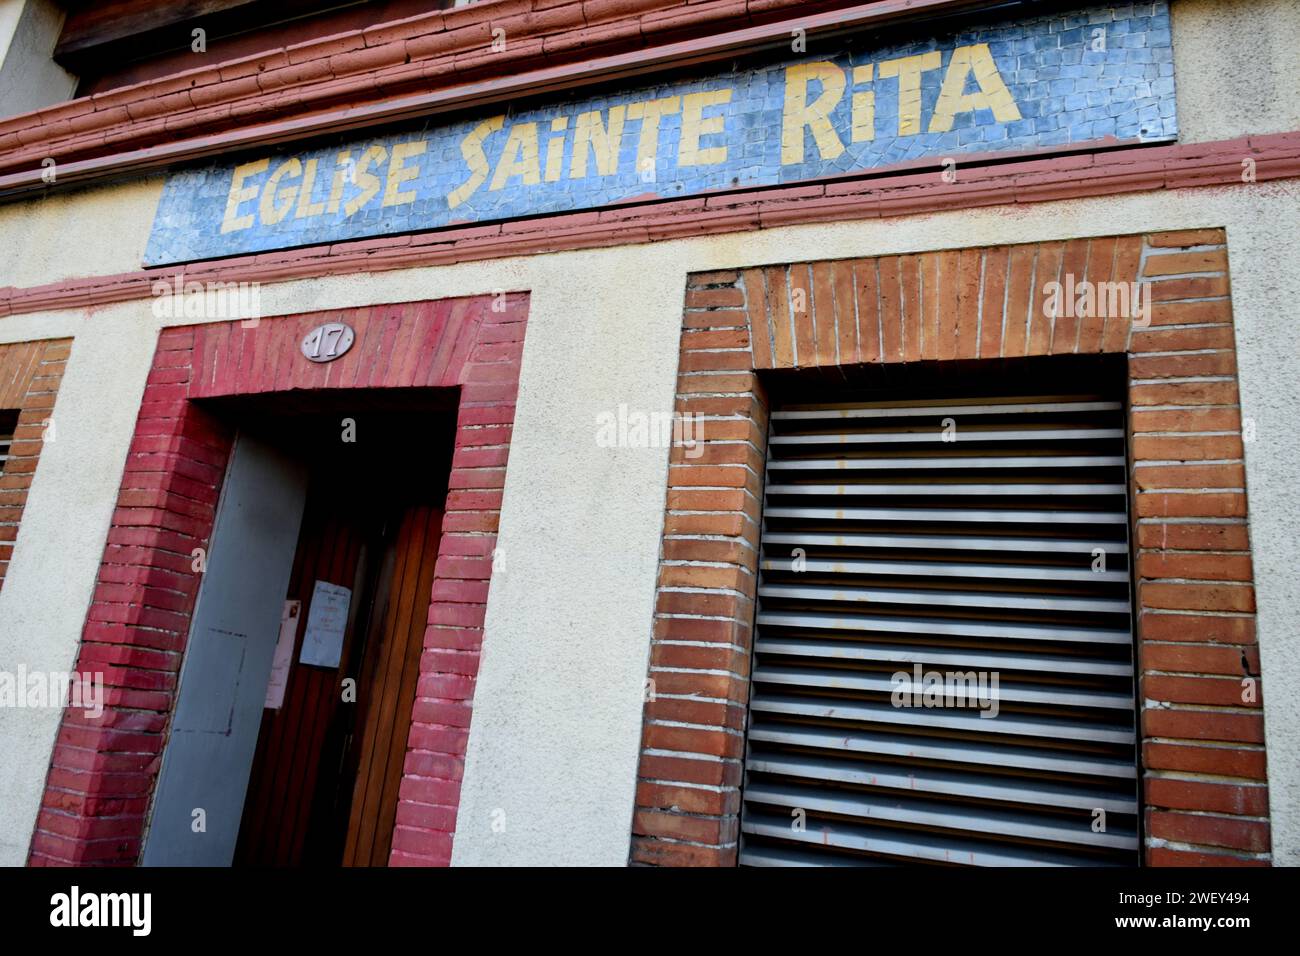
875 195
103 770
357 79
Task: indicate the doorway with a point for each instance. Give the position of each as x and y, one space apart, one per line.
324 720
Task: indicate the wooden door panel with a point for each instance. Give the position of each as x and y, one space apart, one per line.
387 685
326 773
291 743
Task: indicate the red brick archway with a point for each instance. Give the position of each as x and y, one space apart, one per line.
1204 790
103 771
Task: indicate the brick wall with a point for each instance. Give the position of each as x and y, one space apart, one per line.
103 770
30 373
1203 766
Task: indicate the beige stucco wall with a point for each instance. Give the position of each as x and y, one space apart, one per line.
558 707
29 78
1235 67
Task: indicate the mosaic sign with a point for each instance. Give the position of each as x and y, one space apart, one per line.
834 108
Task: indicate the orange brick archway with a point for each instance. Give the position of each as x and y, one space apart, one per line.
30 373
103 770
1205 799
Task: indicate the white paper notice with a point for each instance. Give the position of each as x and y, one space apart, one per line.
326 621
283 659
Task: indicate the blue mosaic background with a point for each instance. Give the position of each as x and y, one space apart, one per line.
1066 93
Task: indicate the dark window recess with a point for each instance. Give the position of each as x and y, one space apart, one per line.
974 534
8 424
121 42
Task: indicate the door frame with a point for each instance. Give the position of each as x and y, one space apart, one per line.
103 770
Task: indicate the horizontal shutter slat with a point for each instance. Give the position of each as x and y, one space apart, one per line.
964 462
903 654
929 542
930 780
949 751
917 810
1003 516
935 436
1018 572
946 627
1036 406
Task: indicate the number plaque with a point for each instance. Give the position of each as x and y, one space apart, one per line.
327 342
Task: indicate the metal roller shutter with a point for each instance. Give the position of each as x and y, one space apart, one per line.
8 422
985 536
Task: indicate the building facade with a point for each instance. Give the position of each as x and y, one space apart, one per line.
649 432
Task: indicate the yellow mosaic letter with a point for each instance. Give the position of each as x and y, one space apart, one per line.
306 208
276 202
589 130
471 148
399 173
864 106
240 194
908 69
649 113
993 93
367 180
798 113
695 124
519 157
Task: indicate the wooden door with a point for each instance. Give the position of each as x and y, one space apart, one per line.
329 763
300 747
390 669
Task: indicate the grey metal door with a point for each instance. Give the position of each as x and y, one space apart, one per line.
200 794
905 543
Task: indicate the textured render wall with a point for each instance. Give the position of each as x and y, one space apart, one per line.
80 232
10 11
1235 67
557 713
1264 266
29 78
